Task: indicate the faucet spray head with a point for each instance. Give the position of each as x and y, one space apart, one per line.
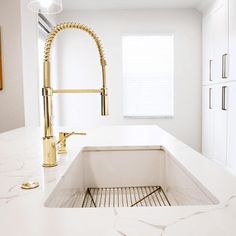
104 102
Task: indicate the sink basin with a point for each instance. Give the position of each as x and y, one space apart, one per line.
127 177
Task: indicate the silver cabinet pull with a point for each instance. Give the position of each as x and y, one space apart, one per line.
210 70
223 105
225 69
210 99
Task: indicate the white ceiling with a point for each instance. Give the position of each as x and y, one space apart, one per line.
133 4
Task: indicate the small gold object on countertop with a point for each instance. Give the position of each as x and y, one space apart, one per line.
30 185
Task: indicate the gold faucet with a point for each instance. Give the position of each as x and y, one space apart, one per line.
49 141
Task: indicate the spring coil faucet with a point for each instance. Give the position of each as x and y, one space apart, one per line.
49 141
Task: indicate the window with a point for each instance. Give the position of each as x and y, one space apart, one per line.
148 73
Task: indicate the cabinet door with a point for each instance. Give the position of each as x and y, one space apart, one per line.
231 150
232 39
220 41
208 122
207 49
220 123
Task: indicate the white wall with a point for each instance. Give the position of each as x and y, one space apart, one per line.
32 64
11 98
29 29
79 68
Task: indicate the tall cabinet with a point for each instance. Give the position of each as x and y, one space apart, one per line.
219 84
231 148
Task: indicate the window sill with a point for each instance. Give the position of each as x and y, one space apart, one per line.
148 117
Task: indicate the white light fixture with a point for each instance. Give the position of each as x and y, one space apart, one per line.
45 6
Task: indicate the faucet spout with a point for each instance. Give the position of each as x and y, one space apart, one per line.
49 141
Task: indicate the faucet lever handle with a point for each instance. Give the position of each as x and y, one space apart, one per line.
62 140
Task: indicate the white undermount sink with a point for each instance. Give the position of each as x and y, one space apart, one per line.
127 177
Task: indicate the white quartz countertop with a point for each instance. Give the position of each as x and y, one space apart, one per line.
22 212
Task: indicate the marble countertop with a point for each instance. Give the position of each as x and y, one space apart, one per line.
22 212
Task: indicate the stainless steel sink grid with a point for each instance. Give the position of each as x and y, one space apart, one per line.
147 196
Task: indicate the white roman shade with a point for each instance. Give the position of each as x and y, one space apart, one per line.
148 73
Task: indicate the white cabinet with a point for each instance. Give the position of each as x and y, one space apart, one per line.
220 110
208 122
207 47
219 123
232 39
216 43
231 145
219 84
214 122
220 43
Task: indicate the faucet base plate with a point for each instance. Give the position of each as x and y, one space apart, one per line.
49 165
